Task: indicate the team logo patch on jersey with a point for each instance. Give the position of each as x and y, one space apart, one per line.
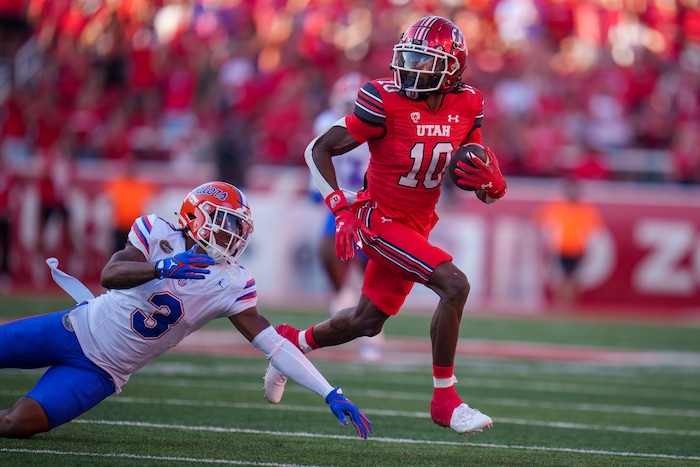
165 247
415 117
66 323
182 282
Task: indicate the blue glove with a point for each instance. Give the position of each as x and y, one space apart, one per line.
187 265
340 406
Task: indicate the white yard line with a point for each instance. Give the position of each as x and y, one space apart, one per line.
355 438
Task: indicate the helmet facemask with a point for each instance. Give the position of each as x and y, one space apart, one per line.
222 232
418 69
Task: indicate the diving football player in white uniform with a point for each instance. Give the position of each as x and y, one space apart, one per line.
161 288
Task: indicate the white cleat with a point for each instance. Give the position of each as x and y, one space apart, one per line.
274 382
467 421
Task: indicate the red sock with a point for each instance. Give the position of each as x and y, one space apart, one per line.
310 341
445 399
442 372
289 333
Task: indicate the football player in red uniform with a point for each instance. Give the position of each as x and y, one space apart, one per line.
411 124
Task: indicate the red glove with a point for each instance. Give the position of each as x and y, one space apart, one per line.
483 177
347 226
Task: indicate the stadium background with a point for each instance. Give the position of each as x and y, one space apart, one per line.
178 93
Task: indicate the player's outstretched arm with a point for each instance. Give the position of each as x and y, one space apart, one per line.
341 406
128 268
292 362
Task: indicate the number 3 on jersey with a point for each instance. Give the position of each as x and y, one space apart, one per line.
431 178
153 325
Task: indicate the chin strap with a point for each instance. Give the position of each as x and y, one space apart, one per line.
415 95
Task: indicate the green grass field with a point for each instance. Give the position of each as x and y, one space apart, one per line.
548 411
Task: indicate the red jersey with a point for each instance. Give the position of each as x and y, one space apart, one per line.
411 145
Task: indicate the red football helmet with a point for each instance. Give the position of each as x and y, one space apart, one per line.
430 56
216 216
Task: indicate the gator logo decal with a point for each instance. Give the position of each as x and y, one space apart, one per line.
66 323
165 247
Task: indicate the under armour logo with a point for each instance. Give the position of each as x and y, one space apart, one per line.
453 118
486 185
386 219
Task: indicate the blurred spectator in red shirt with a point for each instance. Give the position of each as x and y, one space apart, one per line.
590 164
142 75
284 128
112 136
13 130
7 181
48 122
83 122
686 153
54 180
179 85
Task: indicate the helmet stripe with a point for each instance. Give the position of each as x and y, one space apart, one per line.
424 27
369 105
429 21
241 196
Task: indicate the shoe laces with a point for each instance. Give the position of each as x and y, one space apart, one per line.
465 414
281 379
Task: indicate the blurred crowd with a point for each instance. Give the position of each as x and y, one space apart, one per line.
596 88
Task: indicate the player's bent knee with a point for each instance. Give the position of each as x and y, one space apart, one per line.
454 287
367 326
25 419
458 284
449 278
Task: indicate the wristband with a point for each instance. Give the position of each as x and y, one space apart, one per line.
336 201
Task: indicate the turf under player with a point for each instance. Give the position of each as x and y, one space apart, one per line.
161 289
411 124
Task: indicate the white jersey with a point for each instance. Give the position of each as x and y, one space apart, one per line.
122 330
350 167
